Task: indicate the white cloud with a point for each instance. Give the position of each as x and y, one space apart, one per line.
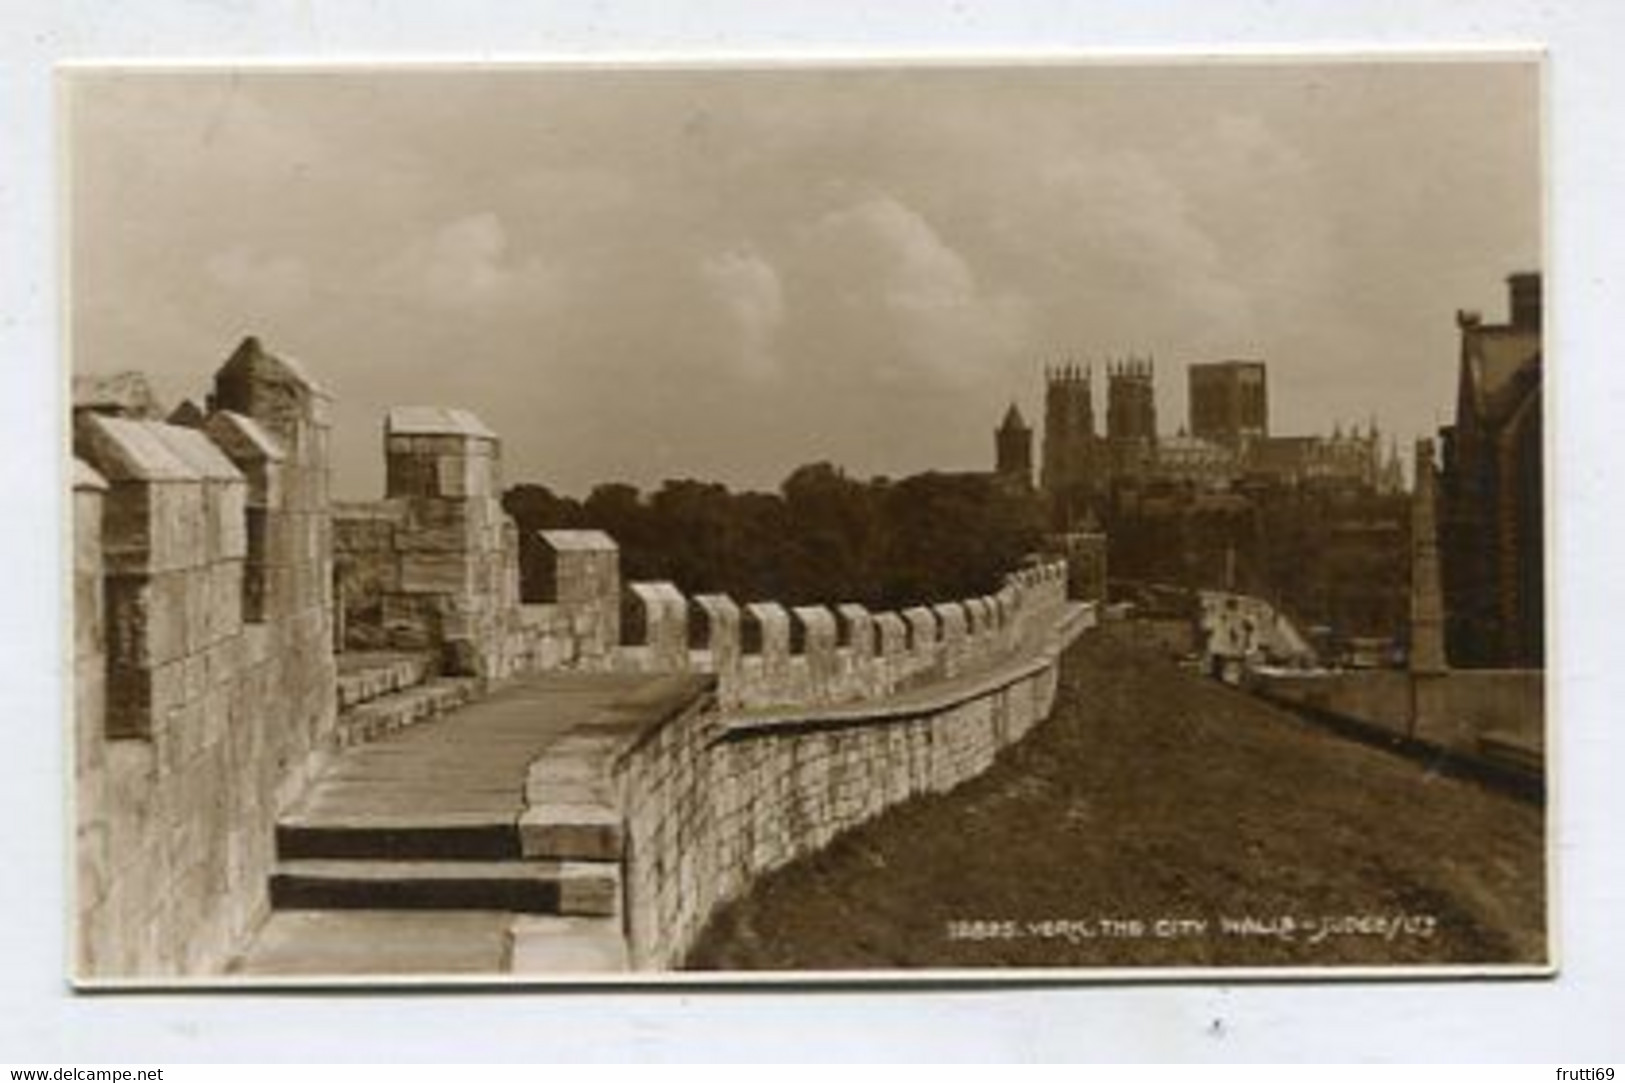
748 289
885 264
466 266
271 281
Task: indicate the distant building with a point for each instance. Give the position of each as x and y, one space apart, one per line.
1013 449
1069 478
1351 457
1131 418
1229 403
1317 521
1491 496
1201 462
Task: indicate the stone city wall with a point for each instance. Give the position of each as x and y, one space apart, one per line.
712 801
219 593
204 672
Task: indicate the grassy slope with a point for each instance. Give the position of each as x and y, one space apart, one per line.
1151 794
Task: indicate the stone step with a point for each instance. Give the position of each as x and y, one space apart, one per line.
365 676
526 887
387 714
549 831
473 837
564 946
412 944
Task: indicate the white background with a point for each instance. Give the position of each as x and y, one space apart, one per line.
1573 1019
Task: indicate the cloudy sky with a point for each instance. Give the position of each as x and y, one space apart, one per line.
724 273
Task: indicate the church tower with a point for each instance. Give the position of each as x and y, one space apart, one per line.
1131 417
1069 428
1068 475
1013 449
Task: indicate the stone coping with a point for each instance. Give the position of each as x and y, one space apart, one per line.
574 541
150 451
435 421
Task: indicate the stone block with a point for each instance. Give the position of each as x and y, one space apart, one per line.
922 628
179 530
140 697
977 616
952 624
891 634
408 621
714 627
765 631
441 525
655 615
589 889
556 830
435 573
570 567
812 630
855 629
146 618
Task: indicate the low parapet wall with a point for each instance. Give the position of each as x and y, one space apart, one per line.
1456 710
713 800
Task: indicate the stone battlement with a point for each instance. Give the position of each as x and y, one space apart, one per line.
766 654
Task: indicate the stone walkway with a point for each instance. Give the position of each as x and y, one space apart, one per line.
405 857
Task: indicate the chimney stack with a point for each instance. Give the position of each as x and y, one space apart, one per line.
1523 290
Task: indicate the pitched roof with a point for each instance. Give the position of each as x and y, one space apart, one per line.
251 356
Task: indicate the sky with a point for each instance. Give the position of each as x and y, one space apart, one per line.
635 274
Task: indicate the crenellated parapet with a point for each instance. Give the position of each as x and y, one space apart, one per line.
767 654
204 670
234 627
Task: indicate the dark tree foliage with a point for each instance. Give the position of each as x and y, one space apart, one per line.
824 537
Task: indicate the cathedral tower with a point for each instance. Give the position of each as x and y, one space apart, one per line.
1069 429
1131 416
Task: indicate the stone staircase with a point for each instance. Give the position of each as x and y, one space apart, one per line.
499 812
560 887
380 692
437 862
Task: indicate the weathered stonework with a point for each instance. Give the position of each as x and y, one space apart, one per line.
217 587
711 804
199 701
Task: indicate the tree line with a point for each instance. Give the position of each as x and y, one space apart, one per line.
822 538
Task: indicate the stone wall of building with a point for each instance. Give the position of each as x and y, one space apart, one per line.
204 674
711 802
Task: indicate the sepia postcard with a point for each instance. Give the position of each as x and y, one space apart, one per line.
1041 518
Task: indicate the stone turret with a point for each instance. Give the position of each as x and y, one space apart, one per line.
1013 446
